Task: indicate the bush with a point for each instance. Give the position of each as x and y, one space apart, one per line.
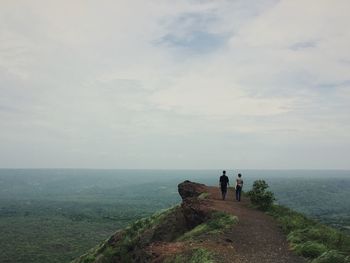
310 249
331 256
259 197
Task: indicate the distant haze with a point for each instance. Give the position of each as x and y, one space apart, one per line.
175 84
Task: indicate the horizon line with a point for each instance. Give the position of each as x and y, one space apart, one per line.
174 169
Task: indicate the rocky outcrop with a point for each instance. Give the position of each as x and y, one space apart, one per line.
195 209
133 243
188 189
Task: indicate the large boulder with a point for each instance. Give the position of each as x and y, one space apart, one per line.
195 209
188 189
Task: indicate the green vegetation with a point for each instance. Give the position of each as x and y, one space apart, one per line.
310 249
259 196
332 256
128 240
218 223
42 231
322 195
203 196
56 215
199 255
49 239
315 241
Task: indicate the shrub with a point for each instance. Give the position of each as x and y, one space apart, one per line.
260 197
310 249
331 256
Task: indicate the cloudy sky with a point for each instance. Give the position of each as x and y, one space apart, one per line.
175 84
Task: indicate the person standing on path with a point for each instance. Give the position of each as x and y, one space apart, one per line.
224 181
239 186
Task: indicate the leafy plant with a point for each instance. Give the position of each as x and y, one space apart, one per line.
260 197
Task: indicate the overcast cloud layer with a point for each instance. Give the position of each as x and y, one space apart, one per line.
175 84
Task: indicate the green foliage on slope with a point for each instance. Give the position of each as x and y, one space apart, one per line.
127 241
198 255
315 241
218 223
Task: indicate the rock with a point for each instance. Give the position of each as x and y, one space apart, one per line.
188 189
195 211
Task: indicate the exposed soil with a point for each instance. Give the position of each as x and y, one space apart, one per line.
256 238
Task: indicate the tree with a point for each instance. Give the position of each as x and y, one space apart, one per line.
260 197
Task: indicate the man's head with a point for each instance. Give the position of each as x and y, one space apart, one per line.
223 172
239 175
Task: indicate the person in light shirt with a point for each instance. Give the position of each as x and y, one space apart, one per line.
239 186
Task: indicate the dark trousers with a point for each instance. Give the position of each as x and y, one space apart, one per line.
223 192
238 193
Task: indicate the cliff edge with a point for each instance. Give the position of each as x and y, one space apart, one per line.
203 228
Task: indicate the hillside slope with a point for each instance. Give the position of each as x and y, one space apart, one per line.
203 229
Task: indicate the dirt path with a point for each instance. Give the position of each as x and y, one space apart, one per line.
256 238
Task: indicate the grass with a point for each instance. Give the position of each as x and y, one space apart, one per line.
199 255
219 222
310 249
312 240
203 196
331 256
122 251
128 241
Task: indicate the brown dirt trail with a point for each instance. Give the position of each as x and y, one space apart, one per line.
255 239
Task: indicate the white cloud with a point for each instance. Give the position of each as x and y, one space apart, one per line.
132 79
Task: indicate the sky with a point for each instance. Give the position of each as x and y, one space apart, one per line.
175 84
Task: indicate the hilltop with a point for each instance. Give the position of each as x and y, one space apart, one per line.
205 228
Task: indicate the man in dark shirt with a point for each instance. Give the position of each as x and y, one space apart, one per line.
223 184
